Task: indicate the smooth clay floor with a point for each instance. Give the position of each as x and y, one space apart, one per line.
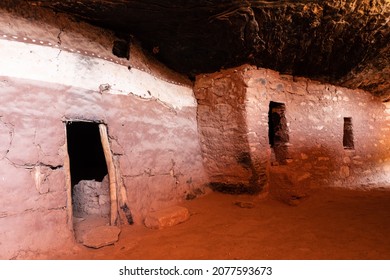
329 224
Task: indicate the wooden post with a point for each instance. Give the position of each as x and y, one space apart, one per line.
68 185
123 209
111 173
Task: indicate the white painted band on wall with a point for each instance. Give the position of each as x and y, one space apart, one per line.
51 65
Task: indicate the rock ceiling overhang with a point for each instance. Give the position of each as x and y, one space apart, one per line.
345 42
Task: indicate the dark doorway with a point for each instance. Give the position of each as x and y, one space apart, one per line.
278 131
87 161
90 194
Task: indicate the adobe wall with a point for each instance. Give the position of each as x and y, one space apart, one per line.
54 70
233 116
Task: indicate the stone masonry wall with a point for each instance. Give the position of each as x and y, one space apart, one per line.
225 141
54 70
315 120
91 197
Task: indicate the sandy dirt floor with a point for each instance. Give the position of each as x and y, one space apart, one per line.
329 224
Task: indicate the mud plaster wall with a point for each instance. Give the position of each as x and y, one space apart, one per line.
233 124
151 124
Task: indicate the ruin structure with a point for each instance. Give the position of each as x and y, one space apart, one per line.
255 123
56 73
160 138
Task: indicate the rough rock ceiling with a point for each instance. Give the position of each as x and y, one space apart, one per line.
346 42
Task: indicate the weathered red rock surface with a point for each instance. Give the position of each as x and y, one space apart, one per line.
344 42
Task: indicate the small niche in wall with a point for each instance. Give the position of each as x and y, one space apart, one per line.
278 131
348 141
121 46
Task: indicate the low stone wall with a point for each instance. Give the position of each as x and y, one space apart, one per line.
91 197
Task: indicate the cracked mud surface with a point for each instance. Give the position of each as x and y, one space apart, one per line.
330 224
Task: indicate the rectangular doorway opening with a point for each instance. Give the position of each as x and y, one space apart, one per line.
278 132
90 187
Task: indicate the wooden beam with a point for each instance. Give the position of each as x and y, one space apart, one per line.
111 173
